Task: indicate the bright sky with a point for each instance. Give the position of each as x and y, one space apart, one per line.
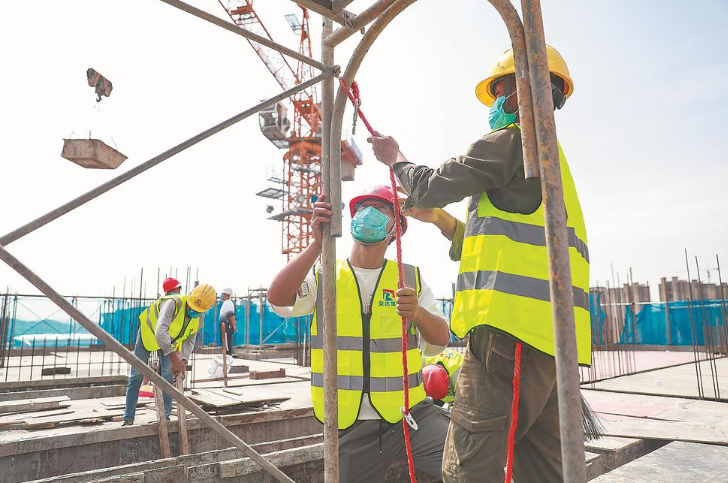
644 133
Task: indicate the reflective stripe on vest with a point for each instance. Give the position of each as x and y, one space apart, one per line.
504 275
369 347
148 323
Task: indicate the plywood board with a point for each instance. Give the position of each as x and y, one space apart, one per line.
37 404
219 399
678 381
677 461
17 420
120 402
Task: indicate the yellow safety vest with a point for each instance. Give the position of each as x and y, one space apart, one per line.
452 361
178 329
369 347
504 274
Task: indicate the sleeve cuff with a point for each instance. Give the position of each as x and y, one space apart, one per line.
456 246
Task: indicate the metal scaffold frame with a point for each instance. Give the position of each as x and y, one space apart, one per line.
541 160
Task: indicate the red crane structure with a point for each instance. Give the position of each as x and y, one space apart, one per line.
301 183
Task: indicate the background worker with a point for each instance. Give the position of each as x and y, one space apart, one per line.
170 327
503 287
440 376
171 286
369 339
227 317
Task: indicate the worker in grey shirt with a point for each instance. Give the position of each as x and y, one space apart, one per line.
169 326
227 317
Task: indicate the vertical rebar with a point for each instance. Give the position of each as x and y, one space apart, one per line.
722 305
332 188
694 333
708 337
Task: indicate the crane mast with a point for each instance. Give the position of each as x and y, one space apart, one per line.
300 185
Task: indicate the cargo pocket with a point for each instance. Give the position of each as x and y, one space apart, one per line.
475 441
500 355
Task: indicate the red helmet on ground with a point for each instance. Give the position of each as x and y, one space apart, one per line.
379 192
170 284
436 381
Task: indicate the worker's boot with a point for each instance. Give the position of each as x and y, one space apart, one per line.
128 422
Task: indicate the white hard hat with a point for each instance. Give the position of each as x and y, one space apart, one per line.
228 291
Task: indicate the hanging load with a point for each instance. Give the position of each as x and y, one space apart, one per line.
93 153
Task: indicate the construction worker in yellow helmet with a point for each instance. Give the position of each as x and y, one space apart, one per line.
503 287
168 326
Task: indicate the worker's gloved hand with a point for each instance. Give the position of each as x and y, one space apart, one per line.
407 304
385 148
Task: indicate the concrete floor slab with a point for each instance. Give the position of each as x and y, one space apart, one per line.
676 462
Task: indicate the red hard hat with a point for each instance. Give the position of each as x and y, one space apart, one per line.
381 193
170 284
436 381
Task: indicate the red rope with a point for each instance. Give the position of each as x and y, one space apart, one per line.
356 100
514 410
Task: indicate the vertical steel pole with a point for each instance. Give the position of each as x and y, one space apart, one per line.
332 188
557 244
262 309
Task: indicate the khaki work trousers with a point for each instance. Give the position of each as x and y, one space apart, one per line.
476 444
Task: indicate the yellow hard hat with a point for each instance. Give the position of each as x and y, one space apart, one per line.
202 298
505 65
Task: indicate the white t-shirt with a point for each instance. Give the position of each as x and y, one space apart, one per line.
367 281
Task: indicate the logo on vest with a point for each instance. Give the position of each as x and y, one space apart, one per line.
388 299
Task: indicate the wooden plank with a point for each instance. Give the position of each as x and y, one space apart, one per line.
620 451
184 444
76 417
677 461
255 375
62 383
161 423
30 405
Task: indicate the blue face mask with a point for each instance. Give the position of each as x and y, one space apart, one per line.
193 314
498 118
369 226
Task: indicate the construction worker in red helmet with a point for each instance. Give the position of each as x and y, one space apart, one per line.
502 296
369 338
171 286
440 374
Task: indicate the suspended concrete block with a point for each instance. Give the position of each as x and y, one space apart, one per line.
92 153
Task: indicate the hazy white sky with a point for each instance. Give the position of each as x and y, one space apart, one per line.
644 132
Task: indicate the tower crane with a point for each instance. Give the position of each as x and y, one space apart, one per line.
301 183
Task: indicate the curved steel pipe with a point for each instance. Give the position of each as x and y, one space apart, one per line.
352 68
523 82
358 22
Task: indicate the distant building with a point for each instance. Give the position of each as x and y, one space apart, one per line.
675 289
